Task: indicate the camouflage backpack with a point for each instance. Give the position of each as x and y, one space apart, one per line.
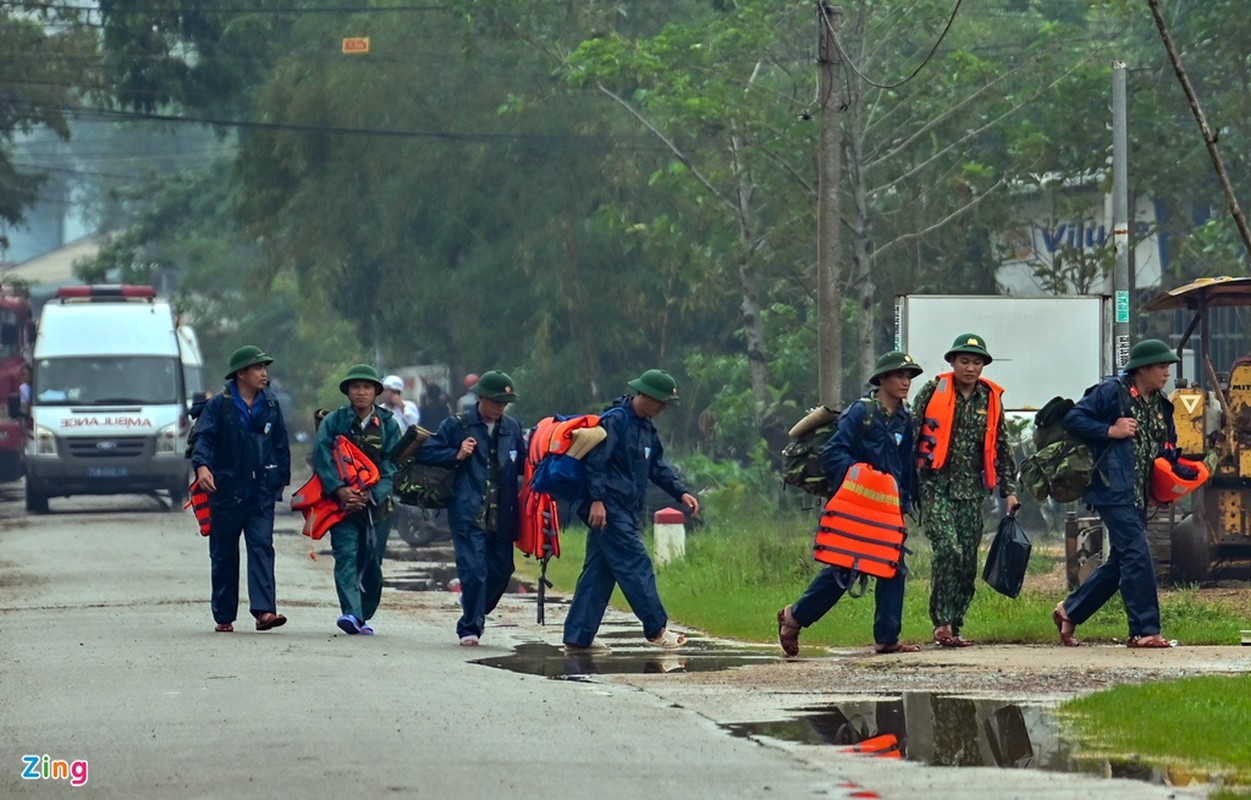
801 458
422 485
1062 465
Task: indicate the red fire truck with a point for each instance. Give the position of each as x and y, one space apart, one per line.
17 336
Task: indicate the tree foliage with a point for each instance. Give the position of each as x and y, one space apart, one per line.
36 92
577 191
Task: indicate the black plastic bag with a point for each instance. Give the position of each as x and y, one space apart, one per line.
1008 558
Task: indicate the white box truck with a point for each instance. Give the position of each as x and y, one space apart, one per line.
108 412
1043 346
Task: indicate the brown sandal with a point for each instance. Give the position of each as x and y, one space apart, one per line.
945 638
1155 640
1061 619
897 647
788 635
224 627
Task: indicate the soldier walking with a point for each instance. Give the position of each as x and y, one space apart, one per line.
962 455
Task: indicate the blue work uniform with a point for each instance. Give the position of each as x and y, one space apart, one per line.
483 513
1114 492
618 471
246 449
886 445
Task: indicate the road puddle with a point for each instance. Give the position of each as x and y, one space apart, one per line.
630 657
949 731
437 578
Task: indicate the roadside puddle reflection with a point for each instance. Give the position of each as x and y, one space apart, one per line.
538 658
952 731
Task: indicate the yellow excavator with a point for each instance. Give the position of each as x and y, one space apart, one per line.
1212 412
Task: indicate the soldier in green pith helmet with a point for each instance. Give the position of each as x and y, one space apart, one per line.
962 455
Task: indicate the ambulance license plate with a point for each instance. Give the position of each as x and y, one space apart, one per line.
106 472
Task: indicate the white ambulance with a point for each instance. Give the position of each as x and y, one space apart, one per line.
108 412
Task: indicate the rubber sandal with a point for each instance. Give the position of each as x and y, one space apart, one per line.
224 627
789 641
1152 641
943 637
270 620
469 640
1059 618
897 647
668 640
348 624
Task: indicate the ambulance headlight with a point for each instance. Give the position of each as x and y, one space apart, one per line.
44 441
167 441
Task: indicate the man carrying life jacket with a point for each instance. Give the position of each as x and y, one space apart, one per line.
962 455
485 446
242 459
876 430
1128 423
618 471
359 540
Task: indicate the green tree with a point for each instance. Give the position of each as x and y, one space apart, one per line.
37 91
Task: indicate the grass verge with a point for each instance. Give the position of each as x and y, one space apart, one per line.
1198 722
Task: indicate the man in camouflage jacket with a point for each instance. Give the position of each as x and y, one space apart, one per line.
963 454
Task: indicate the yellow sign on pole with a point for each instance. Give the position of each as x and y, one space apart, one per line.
354 45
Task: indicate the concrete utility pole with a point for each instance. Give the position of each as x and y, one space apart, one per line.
829 298
1120 218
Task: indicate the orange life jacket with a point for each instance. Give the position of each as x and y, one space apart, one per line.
934 440
198 500
538 533
862 525
321 511
1167 487
885 745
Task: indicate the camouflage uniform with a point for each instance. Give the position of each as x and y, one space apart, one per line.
951 501
1148 442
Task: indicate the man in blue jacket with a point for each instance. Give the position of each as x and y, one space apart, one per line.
618 471
876 430
484 445
1128 423
359 541
242 460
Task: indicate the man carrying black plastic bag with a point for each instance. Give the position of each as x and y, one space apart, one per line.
1008 557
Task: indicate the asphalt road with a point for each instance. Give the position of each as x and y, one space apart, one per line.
108 656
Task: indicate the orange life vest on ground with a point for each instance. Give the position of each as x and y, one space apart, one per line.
934 440
321 511
862 525
1168 487
198 500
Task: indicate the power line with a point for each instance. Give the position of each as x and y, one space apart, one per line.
294 10
540 141
842 51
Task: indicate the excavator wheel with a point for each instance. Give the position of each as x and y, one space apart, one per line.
1192 553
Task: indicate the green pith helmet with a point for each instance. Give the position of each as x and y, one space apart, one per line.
658 385
246 356
894 360
495 385
1148 352
361 372
969 343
